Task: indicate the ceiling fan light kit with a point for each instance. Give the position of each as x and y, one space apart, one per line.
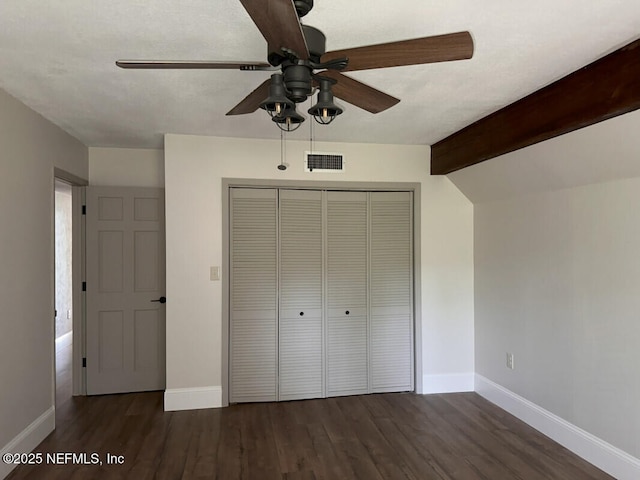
325 111
288 121
298 51
277 103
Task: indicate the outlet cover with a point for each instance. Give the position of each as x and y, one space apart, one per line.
510 363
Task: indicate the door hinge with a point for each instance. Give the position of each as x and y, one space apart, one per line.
84 286
84 362
84 209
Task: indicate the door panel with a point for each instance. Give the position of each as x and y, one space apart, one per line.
347 348
253 352
111 261
347 328
146 254
110 342
125 272
391 284
301 369
147 325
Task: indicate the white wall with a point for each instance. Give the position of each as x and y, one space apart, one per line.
126 167
557 278
194 169
31 148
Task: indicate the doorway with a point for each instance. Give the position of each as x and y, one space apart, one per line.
68 329
63 228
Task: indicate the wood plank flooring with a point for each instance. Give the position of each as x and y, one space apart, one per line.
370 437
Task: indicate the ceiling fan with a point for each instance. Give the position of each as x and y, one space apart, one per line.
298 53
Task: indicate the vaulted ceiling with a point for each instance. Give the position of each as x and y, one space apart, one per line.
58 58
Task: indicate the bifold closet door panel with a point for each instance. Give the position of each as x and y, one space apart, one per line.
391 291
301 371
347 344
253 303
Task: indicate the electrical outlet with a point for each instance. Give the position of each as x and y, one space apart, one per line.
510 363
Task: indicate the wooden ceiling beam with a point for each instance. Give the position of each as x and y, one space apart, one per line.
604 89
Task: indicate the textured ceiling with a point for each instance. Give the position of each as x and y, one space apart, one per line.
58 56
603 152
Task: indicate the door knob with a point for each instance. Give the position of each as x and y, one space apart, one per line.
161 300
347 312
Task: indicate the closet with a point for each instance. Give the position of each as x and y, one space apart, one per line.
321 293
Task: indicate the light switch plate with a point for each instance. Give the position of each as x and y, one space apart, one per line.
214 273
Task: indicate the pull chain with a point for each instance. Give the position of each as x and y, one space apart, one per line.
282 166
310 131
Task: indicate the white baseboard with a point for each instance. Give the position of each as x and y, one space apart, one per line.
192 398
64 340
449 383
603 455
29 438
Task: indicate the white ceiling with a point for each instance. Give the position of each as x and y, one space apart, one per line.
58 57
603 152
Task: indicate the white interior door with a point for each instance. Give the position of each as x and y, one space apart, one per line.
125 334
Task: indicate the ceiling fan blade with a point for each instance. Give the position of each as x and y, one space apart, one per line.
439 48
278 22
252 102
193 64
359 94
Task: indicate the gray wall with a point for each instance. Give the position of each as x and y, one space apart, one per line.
31 148
557 276
558 284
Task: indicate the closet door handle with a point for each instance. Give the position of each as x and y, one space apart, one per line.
347 312
301 314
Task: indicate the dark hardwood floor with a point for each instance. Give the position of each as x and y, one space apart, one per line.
386 436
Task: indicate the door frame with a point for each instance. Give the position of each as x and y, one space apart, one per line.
77 277
228 183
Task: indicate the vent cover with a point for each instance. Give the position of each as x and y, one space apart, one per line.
323 162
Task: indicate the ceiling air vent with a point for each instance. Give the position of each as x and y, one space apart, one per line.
323 162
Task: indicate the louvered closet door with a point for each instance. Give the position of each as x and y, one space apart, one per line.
253 303
391 291
301 257
347 339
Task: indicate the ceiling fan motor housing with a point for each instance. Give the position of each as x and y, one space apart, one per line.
316 44
303 7
298 74
297 78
